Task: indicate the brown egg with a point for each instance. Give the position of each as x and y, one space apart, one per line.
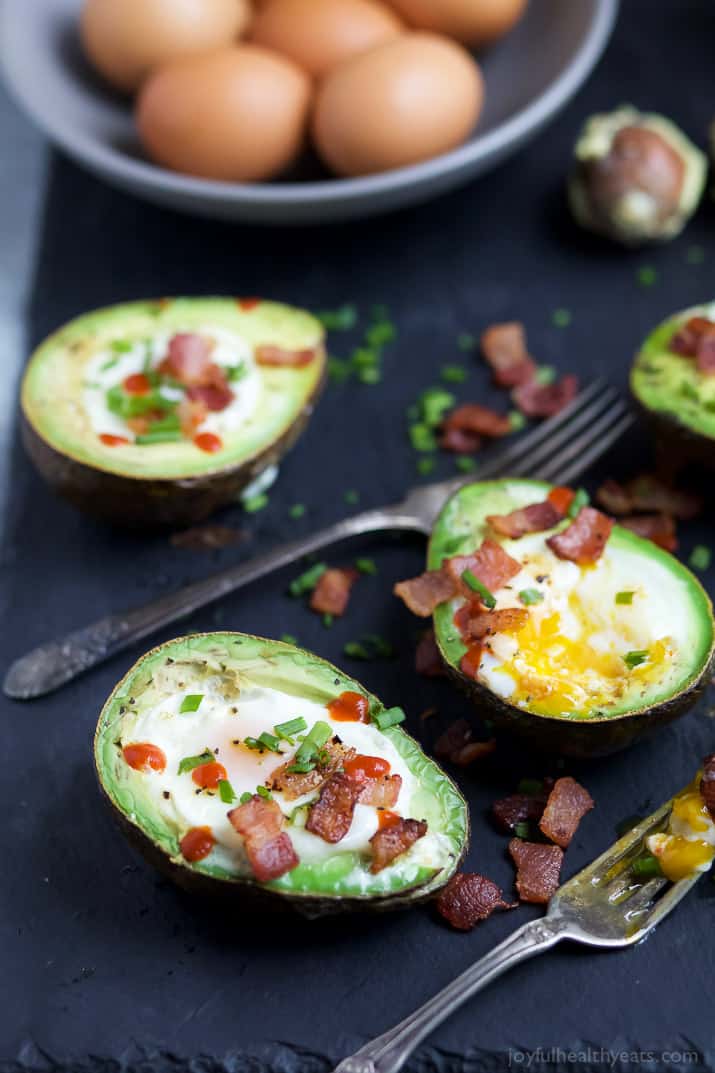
237 113
400 103
320 34
125 39
473 22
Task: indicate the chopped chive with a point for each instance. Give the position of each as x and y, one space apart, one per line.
561 318
454 374
647 275
339 320
625 597
422 437
391 717
307 581
581 499
529 597
522 829
253 743
366 566
269 741
473 582
288 639
372 646
328 620
434 403
700 557
191 702
255 503
357 650
235 372
301 767
297 510
516 420
351 497
545 374
464 464
425 466
245 797
264 792
291 727
190 762
531 787
646 867
319 733
695 255
121 346
225 791
108 364
158 435
636 657
466 341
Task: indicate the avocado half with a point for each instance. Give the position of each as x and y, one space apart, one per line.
664 591
67 417
677 400
246 684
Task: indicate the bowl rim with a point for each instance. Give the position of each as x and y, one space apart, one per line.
327 191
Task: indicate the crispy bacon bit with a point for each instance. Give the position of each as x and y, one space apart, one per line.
517 808
465 426
471 661
425 593
489 563
696 339
648 494
538 870
188 358
207 537
332 592
192 413
332 814
459 441
278 356
469 898
585 539
393 840
294 784
506 620
456 745
545 400
268 847
428 660
214 397
382 792
532 519
504 347
707 783
568 803
660 528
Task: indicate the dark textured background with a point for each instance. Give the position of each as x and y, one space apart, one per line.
108 968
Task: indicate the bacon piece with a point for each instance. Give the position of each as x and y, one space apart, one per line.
332 814
213 396
293 784
489 563
382 792
660 528
532 519
707 783
428 660
393 840
585 539
649 494
504 348
517 808
425 593
545 400
538 870
332 592
459 441
188 358
192 413
455 745
279 357
469 898
705 358
696 339
463 429
268 847
506 620
568 803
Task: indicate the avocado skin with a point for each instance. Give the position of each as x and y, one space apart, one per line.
249 894
134 503
677 444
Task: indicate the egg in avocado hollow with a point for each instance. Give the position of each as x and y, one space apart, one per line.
158 412
244 766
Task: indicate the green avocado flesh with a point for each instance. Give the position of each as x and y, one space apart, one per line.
73 391
670 384
239 687
623 635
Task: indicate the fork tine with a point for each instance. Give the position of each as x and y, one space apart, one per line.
590 455
645 894
579 434
670 899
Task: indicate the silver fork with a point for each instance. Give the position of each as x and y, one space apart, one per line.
603 906
558 450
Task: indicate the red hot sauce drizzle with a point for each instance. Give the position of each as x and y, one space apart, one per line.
197 843
142 756
350 707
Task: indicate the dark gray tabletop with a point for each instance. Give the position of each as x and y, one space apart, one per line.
107 968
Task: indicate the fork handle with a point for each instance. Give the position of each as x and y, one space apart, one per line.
57 662
389 1052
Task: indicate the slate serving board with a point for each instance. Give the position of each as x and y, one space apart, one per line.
108 968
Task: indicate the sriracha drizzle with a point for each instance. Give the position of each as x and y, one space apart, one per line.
208 776
208 442
350 707
142 756
371 767
197 843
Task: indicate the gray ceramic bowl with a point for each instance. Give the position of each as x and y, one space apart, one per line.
529 75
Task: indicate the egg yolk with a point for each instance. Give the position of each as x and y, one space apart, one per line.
680 857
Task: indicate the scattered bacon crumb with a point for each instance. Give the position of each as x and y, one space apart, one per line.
428 660
207 537
538 870
696 339
425 593
393 840
707 783
517 808
192 413
545 400
504 348
332 592
268 847
568 803
650 495
506 620
469 898
294 784
188 358
455 745
464 427
585 539
215 397
280 357
489 563
382 792
660 528
532 519
332 814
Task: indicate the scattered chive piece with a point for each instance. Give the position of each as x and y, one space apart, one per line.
190 762
545 374
269 741
516 420
700 557
264 792
291 727
366 566
253 743
108 364
319 733
191 702
454 374
522 829
351 497
466 341
255 503
464 463
529 597
235 372
245 797
307 581
372 646
225 791
339 320
307 752
636 657
476 585
357 650
422 437
434 403
647 275
301 767
530 786
561 318
624 597
627 824
695 255
121 346
646 867
425 466
328 620
581 499
338 370
158 435
389 718
288 639
297 510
